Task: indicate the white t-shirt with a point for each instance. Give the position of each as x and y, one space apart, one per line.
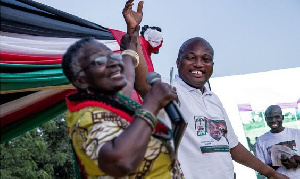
288 137
204 151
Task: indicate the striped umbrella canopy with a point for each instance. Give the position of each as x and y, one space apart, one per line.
34 38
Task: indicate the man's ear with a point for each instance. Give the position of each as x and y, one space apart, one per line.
80 82
177 62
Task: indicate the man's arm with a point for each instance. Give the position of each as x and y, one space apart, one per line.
141 72
241 155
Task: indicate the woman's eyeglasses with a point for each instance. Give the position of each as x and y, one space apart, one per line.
101 61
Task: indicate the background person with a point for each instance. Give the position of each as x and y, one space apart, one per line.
279 135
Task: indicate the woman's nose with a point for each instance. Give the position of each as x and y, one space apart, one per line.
112 62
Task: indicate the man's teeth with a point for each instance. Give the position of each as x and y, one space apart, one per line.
274 125
197 72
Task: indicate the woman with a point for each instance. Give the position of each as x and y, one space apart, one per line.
112 135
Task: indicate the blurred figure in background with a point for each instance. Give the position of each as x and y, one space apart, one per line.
282 136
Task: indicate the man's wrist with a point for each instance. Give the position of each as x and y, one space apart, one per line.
268 172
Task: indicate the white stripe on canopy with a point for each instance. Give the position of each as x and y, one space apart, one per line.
40 45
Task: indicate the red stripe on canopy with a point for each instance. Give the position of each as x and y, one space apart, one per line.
29 59
34 108
40 62
21 57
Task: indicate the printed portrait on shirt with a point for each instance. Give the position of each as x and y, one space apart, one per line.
212 134
216 129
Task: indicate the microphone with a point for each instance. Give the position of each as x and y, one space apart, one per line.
171 108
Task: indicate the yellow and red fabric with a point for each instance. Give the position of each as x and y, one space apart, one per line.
92 123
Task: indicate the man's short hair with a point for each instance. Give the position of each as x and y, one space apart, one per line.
187 42
271 107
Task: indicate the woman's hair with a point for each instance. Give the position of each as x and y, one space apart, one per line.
70 64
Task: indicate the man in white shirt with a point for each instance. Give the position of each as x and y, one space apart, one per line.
200 106
280 136
200 155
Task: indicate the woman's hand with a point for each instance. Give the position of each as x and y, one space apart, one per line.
131 17
159 96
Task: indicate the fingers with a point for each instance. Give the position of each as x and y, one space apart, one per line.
159 96
174 88
140 7
289 163
169 91
174 92
128 6
129 2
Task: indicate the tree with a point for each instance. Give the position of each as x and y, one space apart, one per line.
44 152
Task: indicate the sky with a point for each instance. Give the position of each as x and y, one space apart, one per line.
247 36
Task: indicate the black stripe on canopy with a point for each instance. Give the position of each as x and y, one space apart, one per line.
29 17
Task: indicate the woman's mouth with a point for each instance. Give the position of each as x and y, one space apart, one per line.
116 74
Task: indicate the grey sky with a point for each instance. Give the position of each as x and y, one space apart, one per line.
247 36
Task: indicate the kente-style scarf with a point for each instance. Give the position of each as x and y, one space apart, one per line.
122 106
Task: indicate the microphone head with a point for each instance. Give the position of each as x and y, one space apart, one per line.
152 77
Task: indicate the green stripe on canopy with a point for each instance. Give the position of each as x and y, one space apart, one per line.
22 66
21 127
35 74
41 78
19 84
